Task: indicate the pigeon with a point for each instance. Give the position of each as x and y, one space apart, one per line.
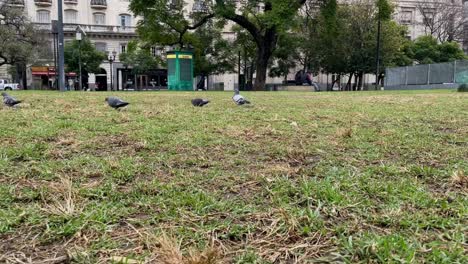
116 102
9 100
239 99
199 102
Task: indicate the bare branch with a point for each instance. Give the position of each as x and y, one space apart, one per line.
443 20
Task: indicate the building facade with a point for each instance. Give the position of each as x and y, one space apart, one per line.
108 24
439 18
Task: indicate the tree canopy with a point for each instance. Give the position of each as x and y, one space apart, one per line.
139 57
427 49
168 22
91 58
19 39
280 35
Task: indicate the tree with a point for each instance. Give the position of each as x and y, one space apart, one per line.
442 19
19 42
333 50
341 40
139 57
286 55
276 17
18 35
91 58
426 49
245 44
167 23
212 53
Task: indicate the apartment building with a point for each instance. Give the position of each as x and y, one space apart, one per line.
431 17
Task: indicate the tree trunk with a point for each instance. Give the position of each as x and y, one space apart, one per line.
338 80
355 82
360 78
380 79
263 56
332 83
348 85
24 77
265 47
335 80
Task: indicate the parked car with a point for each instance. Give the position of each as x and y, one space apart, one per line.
6 86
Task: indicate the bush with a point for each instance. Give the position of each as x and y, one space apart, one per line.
463 87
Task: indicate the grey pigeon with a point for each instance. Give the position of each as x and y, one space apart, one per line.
239 99
199 102
116 102
9 100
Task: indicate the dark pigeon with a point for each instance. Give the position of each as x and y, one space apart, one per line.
199 102
239 99
9 100
116 102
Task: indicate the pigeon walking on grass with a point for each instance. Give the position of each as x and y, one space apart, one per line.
9 100
239 99
116 102
199 102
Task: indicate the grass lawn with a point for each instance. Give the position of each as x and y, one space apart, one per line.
370 177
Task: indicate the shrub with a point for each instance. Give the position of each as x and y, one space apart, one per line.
463 87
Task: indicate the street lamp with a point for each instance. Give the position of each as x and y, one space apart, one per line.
111 58
79 36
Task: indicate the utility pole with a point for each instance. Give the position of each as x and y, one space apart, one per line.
377 57
61 55
54 34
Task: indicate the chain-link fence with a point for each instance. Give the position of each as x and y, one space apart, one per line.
441 75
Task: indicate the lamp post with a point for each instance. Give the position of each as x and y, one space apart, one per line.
55 33
61 55
79 36
111 58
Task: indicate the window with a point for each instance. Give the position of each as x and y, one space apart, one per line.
71 16
48 50
125 20
185 69
406 16
154 51
99 18
428 18
123 47
101 46
43 16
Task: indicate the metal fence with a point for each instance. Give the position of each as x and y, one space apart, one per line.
441 75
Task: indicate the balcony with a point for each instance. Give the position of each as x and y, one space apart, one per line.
15 3
99 4
43 2
71 2
69 27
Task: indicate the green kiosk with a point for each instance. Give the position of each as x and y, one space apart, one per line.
180 70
